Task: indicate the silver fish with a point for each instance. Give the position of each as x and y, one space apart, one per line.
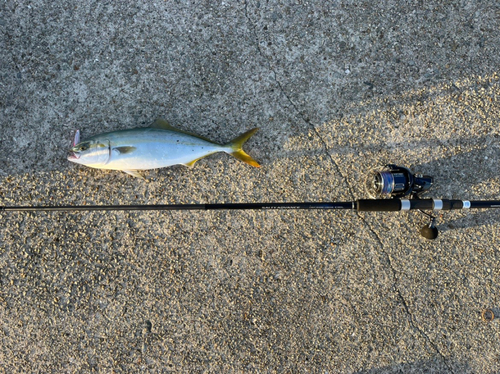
157 146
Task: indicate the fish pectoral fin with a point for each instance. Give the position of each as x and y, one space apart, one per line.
134 173
124 149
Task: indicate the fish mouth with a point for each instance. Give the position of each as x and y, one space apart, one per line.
73 156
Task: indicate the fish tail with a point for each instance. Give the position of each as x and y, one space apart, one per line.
236 148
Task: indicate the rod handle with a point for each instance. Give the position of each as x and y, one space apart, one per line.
393 205
378 205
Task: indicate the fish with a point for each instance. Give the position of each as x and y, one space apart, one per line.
145 148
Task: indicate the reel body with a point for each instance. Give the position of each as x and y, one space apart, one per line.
396 182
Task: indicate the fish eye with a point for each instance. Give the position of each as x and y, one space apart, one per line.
83 147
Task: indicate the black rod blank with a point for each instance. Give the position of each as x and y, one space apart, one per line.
230 206
368 205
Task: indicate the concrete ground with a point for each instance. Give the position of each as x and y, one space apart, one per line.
337 88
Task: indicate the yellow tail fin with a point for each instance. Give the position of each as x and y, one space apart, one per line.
237 145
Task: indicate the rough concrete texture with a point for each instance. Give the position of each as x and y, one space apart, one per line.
337 88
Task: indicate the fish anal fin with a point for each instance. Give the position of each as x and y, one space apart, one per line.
190 164
134 173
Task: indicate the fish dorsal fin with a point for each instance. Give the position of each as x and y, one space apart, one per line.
160 123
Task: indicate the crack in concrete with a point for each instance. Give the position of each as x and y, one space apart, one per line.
283 91
351 193
411 318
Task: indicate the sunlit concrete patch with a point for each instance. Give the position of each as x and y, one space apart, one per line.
448 114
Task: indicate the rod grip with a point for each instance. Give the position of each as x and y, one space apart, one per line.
435 204
379 205
392 205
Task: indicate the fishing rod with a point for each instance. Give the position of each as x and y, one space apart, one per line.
394 188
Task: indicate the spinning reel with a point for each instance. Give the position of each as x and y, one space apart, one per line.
396 181
399 182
